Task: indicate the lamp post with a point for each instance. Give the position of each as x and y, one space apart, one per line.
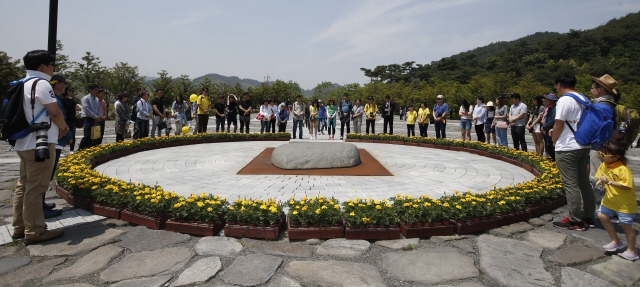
53 25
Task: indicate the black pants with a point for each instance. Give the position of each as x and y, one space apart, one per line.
282 127
272 125
423 129
371 123
143 128
411 130
342 124
548 146
480 133
441 129
388 120
86 141
134 135
72 128
244 121
203 121
517 134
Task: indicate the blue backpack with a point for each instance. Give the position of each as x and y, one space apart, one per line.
596 123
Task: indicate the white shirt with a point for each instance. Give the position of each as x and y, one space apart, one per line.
44 95
479 112
462 110
266 112
568 109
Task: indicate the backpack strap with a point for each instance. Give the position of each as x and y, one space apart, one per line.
580 101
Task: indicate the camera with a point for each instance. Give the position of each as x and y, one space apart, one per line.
42 140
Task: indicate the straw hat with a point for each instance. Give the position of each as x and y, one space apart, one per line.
607 82
489 104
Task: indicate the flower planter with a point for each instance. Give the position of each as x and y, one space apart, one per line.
254 231
153 222
559 201
424 231
473 227
367 141
352 140
536 210
283 139
380 141
512 218
397 142
296 233
106 211
411 144
63 193
203 229
456 148
384 233
73 200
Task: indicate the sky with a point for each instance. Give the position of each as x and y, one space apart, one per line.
304 41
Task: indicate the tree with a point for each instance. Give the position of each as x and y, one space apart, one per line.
10 70
222 89
88 72
184 86
62 61
321 91
164 83
122 78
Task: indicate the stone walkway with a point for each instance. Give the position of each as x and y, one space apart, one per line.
114 253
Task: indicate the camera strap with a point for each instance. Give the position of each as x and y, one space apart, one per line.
33 102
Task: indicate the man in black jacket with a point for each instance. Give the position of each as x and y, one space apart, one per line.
387 113
345 108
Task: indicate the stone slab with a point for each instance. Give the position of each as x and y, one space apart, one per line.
5 195
324 155
156 281
465 284
148 263
511 262
6 251
507 230
76 240
411 265
398 244
547 239
251 270
75 285
141 238
335 273
284 281
341 247
88 264
617 270
31 272
538 222
278 249
448 238
575 254
9 264
547 217
218 246
199 273
572 277
112 222
464 246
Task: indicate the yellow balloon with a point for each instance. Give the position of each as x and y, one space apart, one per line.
185 130
193 98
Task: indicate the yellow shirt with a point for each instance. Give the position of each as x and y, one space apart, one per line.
423 115
204 102
313 111
615 198
411 117
369 110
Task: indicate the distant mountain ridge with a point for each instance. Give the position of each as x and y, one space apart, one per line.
217 78
494 48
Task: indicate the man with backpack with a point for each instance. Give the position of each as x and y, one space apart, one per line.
36 156
346 109
134 111
572 157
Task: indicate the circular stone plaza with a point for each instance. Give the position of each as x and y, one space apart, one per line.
213 168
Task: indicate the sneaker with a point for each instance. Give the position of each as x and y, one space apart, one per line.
629 256
589 222
567 224
612 247
49 206
44 236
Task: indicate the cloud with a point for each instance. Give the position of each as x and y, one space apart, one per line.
379 28
194 16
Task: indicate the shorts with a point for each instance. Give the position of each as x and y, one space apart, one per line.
625 218
232 119
536 128
465 124
488 129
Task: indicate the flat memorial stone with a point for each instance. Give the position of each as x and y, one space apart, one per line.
398 244
141 238
156 281
343 248
35 271
512 262
507 230
75 285
575 255
284 281
437 262
76 240
547 239
617 270
464 246
309 155
278 249
572 277
9 264
251 270
335 273
199 273
88 264
218 246
148 263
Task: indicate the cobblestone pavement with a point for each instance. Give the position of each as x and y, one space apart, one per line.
99 252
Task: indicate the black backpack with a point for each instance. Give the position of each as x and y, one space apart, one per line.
134 111
13 122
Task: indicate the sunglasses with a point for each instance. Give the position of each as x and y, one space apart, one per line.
52 64
605 155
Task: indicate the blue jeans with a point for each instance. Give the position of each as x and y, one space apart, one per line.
501 135
322 124
297 125
219 124
264 126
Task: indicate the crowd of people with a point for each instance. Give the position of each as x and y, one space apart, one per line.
555 119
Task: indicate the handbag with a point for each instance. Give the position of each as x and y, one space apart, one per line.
127 132
79 122
162 125
501 125
259 117
95 132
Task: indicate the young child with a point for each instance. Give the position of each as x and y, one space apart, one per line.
167 119
180 120
619 199
410 117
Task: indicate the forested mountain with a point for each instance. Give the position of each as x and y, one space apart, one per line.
216 78
494 48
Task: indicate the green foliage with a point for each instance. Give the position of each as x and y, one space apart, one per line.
10 70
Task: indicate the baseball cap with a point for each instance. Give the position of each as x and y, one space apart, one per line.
440 97
58 78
